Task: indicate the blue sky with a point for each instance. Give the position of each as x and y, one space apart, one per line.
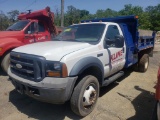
91 5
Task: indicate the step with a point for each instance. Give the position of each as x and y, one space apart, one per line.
114 77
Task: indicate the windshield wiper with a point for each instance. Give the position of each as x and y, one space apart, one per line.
9 29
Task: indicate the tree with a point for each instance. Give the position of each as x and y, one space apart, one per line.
72 15
83 13
4 22
57 17
131 10
154 17
143 17
13 14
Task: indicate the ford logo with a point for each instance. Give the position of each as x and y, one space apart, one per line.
19 66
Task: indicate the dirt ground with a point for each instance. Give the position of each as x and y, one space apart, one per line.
129 98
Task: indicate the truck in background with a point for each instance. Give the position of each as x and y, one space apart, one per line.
80 60
37 26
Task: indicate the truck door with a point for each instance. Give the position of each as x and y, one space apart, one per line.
29 34
117 54
42 34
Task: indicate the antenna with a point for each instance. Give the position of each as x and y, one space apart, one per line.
29 11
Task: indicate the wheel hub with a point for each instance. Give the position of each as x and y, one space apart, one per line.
89 96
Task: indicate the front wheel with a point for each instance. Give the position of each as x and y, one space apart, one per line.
5 62
85 96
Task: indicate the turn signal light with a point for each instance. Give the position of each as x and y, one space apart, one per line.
53 74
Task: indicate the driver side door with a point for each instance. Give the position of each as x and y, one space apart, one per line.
117 54
29 34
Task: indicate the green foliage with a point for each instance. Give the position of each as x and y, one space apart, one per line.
13 14
149 18
6 21
154 17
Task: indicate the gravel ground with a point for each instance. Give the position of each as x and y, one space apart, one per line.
129 98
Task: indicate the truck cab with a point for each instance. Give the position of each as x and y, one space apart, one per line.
32 27
80 60
29 31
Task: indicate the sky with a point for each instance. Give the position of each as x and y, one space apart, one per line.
91 5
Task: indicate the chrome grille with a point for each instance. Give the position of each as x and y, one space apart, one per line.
27 66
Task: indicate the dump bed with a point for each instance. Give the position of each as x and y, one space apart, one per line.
42 15
34 15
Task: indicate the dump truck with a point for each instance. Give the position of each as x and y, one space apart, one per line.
80 60
32 27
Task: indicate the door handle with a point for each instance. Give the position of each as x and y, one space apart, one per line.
123 49
26 37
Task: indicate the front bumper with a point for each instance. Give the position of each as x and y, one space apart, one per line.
51 90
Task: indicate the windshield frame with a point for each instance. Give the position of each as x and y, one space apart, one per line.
102 25
14 26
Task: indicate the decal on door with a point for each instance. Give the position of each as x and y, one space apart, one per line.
41 38
32 40
117 56
117 60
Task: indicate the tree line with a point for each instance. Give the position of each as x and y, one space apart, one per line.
149 17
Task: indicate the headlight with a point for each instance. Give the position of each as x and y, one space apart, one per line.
56 69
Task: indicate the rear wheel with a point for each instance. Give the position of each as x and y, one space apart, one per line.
5 62
85 96
143 63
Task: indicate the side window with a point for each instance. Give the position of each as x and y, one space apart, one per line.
110 38
30 29
112 32
41 27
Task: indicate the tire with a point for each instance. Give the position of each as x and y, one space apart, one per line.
5 62
155 113
158 110
86 89
143 63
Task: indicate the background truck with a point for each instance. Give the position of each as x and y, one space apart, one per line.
80 60
32 27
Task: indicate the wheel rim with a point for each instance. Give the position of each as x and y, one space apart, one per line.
146 65
89 96
158 110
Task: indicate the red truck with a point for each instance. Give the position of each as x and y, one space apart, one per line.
37 26
156 112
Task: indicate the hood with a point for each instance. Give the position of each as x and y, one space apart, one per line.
9 33
52 50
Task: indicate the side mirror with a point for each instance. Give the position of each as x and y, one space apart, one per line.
119 41
29 32
109 42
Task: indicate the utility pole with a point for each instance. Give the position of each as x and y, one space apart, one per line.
62 13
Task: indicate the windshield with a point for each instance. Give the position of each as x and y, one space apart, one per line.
18 25
82 33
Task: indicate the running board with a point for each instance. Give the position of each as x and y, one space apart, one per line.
112 78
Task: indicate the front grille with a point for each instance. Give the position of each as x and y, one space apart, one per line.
27 66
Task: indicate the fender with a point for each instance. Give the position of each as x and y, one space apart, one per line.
9 43
85 63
